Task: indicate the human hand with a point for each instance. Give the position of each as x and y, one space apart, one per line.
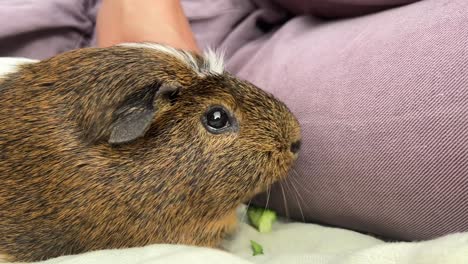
161 21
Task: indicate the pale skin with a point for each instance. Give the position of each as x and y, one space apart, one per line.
161 21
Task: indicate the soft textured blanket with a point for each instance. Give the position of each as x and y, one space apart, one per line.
291 243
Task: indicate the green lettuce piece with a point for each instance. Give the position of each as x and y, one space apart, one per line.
256 248
262 219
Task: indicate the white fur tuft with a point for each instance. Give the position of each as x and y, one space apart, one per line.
213 62
10 64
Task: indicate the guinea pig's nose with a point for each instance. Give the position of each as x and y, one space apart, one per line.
295 147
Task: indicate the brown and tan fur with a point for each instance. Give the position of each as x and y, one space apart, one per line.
64 189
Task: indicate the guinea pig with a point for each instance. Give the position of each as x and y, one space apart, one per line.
130 145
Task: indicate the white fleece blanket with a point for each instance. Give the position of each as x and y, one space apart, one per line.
289 243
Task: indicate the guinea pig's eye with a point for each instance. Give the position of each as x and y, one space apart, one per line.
217 120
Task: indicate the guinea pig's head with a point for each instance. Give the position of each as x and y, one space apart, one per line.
177 118
229 137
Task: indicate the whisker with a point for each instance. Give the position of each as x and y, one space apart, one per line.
245 211
268 197
298 183
295 172
298 197
284 200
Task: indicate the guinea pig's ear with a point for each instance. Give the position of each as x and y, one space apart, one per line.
135 114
